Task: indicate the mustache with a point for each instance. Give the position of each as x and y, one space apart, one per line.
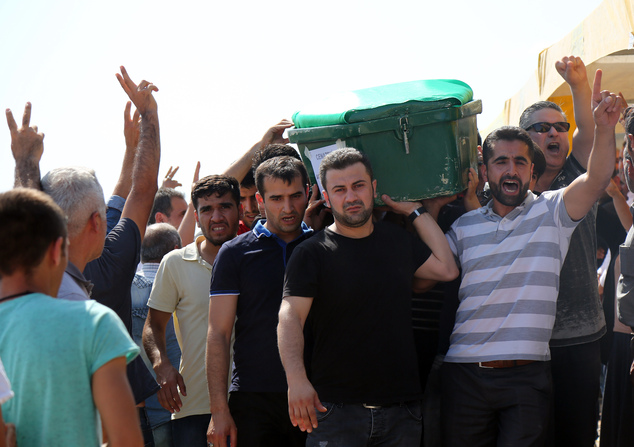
355 203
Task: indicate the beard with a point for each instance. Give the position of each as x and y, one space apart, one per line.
353 221
505 199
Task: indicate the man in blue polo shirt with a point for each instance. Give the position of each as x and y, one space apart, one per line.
247 281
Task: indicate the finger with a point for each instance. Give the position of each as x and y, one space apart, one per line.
169 171
13 127
175 171
197 172
126 113
142 84
123 84
34 128
181 386
313 417
26 117
164 401
291 415
233 436
596 87
136 117
126 78
388 201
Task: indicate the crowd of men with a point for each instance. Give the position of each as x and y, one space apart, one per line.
287 319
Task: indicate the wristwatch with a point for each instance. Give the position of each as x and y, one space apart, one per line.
412 217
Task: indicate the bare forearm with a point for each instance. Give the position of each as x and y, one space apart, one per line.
154 345
602 159
431 234
217 366
27 174
584 135
240 168
622 210
187 228
290 338
124 184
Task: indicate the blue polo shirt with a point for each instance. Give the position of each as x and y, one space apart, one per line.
252 266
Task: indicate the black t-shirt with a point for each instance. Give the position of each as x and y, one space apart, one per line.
361 314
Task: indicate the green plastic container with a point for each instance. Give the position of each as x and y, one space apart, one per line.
418 149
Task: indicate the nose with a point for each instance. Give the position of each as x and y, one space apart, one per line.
250 205
216 215
351 196
553 132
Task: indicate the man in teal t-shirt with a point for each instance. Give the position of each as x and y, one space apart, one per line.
65 360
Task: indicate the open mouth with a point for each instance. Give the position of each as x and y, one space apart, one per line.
553 147
289 219
510 186
218 228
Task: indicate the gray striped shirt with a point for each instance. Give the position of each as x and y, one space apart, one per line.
510 279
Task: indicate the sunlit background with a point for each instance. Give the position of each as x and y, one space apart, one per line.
229 70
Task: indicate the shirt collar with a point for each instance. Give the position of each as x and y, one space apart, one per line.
261 231
487 209
79 277
149 270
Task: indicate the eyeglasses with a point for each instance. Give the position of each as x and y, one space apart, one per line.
545 127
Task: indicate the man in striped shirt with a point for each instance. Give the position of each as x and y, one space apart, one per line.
496 376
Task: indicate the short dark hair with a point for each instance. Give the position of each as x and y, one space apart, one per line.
248 181
525 117
283 168
159 240
216 184
163 202
507 133
341 159
539 162
271 151
30 221
629 121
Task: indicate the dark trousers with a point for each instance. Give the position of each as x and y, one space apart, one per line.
495 407
576 374
262 420
191 431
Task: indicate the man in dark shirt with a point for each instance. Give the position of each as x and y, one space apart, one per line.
247 283
355 278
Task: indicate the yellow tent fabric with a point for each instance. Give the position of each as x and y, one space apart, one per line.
605 39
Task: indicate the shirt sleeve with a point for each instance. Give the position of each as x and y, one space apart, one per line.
108 337
165 292
225 276
302 274
114 209
5 387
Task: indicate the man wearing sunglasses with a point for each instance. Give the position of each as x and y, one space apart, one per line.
579 323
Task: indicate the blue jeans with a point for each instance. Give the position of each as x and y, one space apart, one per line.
190 431
351 425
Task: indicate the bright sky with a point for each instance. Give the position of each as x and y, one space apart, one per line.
229 70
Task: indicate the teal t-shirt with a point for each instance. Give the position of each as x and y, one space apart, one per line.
50 349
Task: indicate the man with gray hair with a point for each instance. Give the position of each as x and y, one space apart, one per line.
109 265
159 240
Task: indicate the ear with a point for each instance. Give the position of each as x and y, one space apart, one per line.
57 251
374 187
95 222
485 173
259 198
240 211
630 140
160 217
196 216
326 198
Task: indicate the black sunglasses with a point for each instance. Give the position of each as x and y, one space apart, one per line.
545 127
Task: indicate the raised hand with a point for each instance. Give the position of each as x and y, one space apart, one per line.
140 95
573 70
131 127
606 106
275 135
169 181
26 142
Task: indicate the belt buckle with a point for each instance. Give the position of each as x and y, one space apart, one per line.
483 366
372 407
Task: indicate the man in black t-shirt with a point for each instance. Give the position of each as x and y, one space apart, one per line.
355 278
